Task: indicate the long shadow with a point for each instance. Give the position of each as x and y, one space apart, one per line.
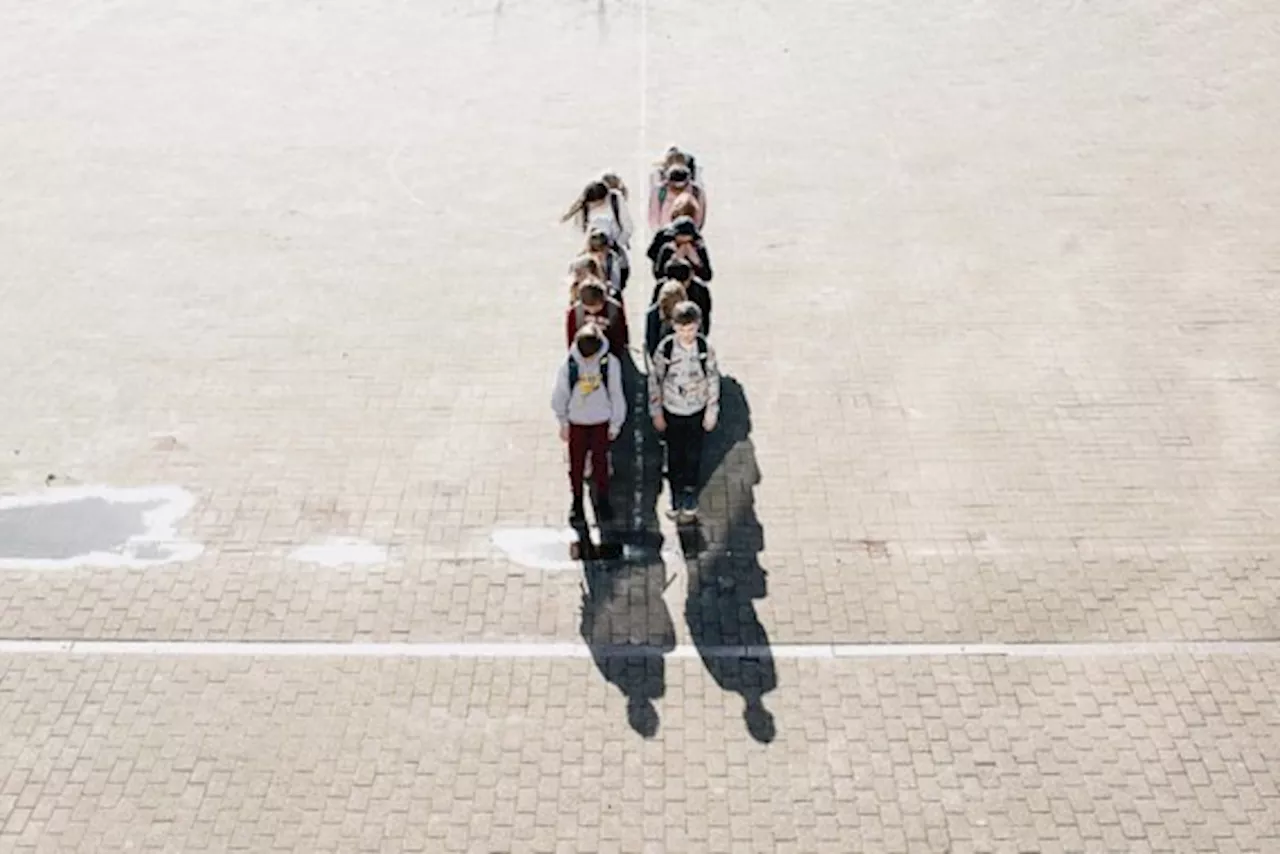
725 575
625 622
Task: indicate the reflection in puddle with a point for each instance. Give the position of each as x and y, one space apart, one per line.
94 526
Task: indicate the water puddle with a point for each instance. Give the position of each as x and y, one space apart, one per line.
537 548
95 526
548 548
341 551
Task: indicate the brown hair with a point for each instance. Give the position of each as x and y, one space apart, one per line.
669 295
613 182
686 312
594 192
591 292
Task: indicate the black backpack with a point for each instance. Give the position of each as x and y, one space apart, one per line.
604 372
670 347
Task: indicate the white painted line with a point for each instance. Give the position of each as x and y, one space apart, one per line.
536 650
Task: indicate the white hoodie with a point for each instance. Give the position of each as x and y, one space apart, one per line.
591 402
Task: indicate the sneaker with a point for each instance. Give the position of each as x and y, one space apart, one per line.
577 517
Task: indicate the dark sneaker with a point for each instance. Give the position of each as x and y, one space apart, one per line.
577 517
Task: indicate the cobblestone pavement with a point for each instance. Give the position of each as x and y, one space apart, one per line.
996 286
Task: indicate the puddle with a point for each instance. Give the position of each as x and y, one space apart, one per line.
95 526
548 548
537 548
341 551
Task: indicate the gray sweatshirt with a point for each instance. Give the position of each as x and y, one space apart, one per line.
680 386
590 403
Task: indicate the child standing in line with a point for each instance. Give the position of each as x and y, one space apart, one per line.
593 306
591 406
684 403
657 321
697 290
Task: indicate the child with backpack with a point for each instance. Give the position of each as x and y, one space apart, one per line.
680 240
602 205
684 403
595 307
582 269
674 183
657 321
610 260
695 289
591 406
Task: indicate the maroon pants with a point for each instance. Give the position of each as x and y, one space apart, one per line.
589 439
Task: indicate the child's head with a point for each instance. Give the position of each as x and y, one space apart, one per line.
613 182
685 206
591 292
684 227
597 240
669 296
588 340
677 176
686 318
596 191
674 155
679 270
585 267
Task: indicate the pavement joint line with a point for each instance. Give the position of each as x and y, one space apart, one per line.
512 650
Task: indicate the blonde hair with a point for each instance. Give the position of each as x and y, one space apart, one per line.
669 295
583 269
686 204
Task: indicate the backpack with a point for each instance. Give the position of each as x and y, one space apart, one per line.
669 347
604 373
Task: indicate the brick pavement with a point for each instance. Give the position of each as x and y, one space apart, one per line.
1012 267
1164 754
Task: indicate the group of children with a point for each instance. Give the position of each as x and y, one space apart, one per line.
589 399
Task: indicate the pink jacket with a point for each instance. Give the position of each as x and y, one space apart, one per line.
662 200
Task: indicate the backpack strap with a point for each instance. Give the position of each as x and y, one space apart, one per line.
613 203
702 355
578 317
669 348
573 372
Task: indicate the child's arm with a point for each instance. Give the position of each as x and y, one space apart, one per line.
627 226
560 395
704 261
713 390
617 399
656 370
624 332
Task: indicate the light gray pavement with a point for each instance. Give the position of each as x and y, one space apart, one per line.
997 283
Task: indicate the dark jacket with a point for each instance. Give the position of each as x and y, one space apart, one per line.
699 294
655 329
662 247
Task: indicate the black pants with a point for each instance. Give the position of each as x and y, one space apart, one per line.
684 450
